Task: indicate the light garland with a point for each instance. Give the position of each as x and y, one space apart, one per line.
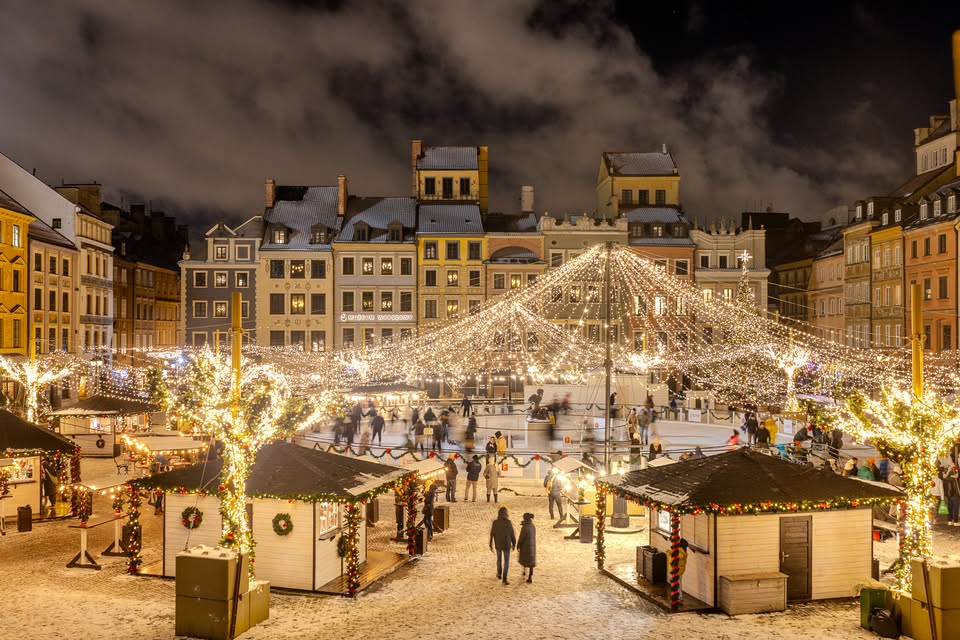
34 375
351 516
915 433
601 552
135 535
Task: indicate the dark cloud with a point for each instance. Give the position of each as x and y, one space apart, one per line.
194 105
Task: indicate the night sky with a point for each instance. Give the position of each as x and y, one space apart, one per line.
192 105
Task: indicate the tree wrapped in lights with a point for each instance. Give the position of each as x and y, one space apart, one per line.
243 419
34 375
915 433
790 361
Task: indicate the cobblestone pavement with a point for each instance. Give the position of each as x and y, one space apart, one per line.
450 592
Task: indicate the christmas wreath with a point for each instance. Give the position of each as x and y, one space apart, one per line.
282 524
343 546
191 517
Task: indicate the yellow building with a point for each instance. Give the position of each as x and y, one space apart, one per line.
449 174
14 223
628 180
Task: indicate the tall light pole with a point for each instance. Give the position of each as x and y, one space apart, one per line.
607 362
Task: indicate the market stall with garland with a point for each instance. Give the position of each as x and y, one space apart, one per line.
23 447
746 513
305 509
95 422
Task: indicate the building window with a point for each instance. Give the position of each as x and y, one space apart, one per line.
318 341
244 309
474 307
219 309
926 246
199 309
643 196
276 304
945 339
453 278
453 309
395 233
243 252
656 230
474 278
885 218
347 266
923 211
626 197
219 278
660 265
200 279
277 269
278 339
348 337
366 266
474 250
516 281
430 278
318 304
556 259
942 286
38 299
386 336
318 269
366 301
705 262
723 262
15 241
532 278
298 269
53 301
913 248
297 339
927 293
347 300
65 303
279 235
447 187
942 243
298 304
464 186
576 294
660 305
898 215
936 207
951 204
386 301
406 301
453 250
430 250
66 267
242 279
430 309
682 268
361 232
429 186
386 266
406 266
220 252
499 281
38 262
661 196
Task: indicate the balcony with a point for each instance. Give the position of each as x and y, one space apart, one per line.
94 281
473 196
105 321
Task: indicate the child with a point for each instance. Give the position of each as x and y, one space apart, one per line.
527 545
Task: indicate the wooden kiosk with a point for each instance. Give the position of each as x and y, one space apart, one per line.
95 422
299 503
761 530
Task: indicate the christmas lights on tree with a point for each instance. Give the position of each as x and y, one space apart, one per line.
34 375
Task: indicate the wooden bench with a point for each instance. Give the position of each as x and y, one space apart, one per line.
84 560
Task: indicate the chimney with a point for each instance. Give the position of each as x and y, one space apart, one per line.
956 63
954 124
270 192
416 148
664 148
526 199
341 195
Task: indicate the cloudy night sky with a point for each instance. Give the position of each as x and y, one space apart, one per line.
191 105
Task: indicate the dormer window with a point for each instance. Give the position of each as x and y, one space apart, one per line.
679 231
318 235
220 252
395 232
859 211
884 218
936 207
635 229
923 211
952 204
279 235
898 215
361 232
656 230
869 209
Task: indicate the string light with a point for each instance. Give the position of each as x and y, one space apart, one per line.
34 375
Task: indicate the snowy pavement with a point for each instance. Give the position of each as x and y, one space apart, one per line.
450 592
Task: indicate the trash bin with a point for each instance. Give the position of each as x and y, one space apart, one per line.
116 450
24 519
373 512
441 518
586 529
420 541
872 598
654 565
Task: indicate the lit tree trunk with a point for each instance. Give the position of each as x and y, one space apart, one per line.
916 541
237 464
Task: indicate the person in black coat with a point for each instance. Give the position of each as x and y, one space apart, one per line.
428 500
527 546
505 540
376 426
752 427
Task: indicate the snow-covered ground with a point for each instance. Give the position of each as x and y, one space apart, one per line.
452 592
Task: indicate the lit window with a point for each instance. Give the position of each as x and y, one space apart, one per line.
219 309
366 266
298 269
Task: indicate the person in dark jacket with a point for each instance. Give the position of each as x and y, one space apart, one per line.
473 475
527 546
491 447
418 435
376 426
763 436
471 439
503 540
466 406
752 427
951 494
451 472
428 499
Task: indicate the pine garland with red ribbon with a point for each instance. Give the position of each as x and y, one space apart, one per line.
135 536
674 560
601 552
352 533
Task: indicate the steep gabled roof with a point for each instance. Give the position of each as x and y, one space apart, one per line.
19 435
448 158
378 214
299 209
10 204
284 470
449 218
634 163
741 478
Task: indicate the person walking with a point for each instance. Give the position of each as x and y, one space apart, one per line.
450 471
554 486
491 474
631 423
763 436
428 500
527 546
504 540
836 443
466 406
470 441
643 424
752 427
377 423
951 493
474 469
419 435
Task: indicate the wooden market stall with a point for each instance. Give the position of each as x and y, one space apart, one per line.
95 422
22 447
299 501
145 449
761 530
